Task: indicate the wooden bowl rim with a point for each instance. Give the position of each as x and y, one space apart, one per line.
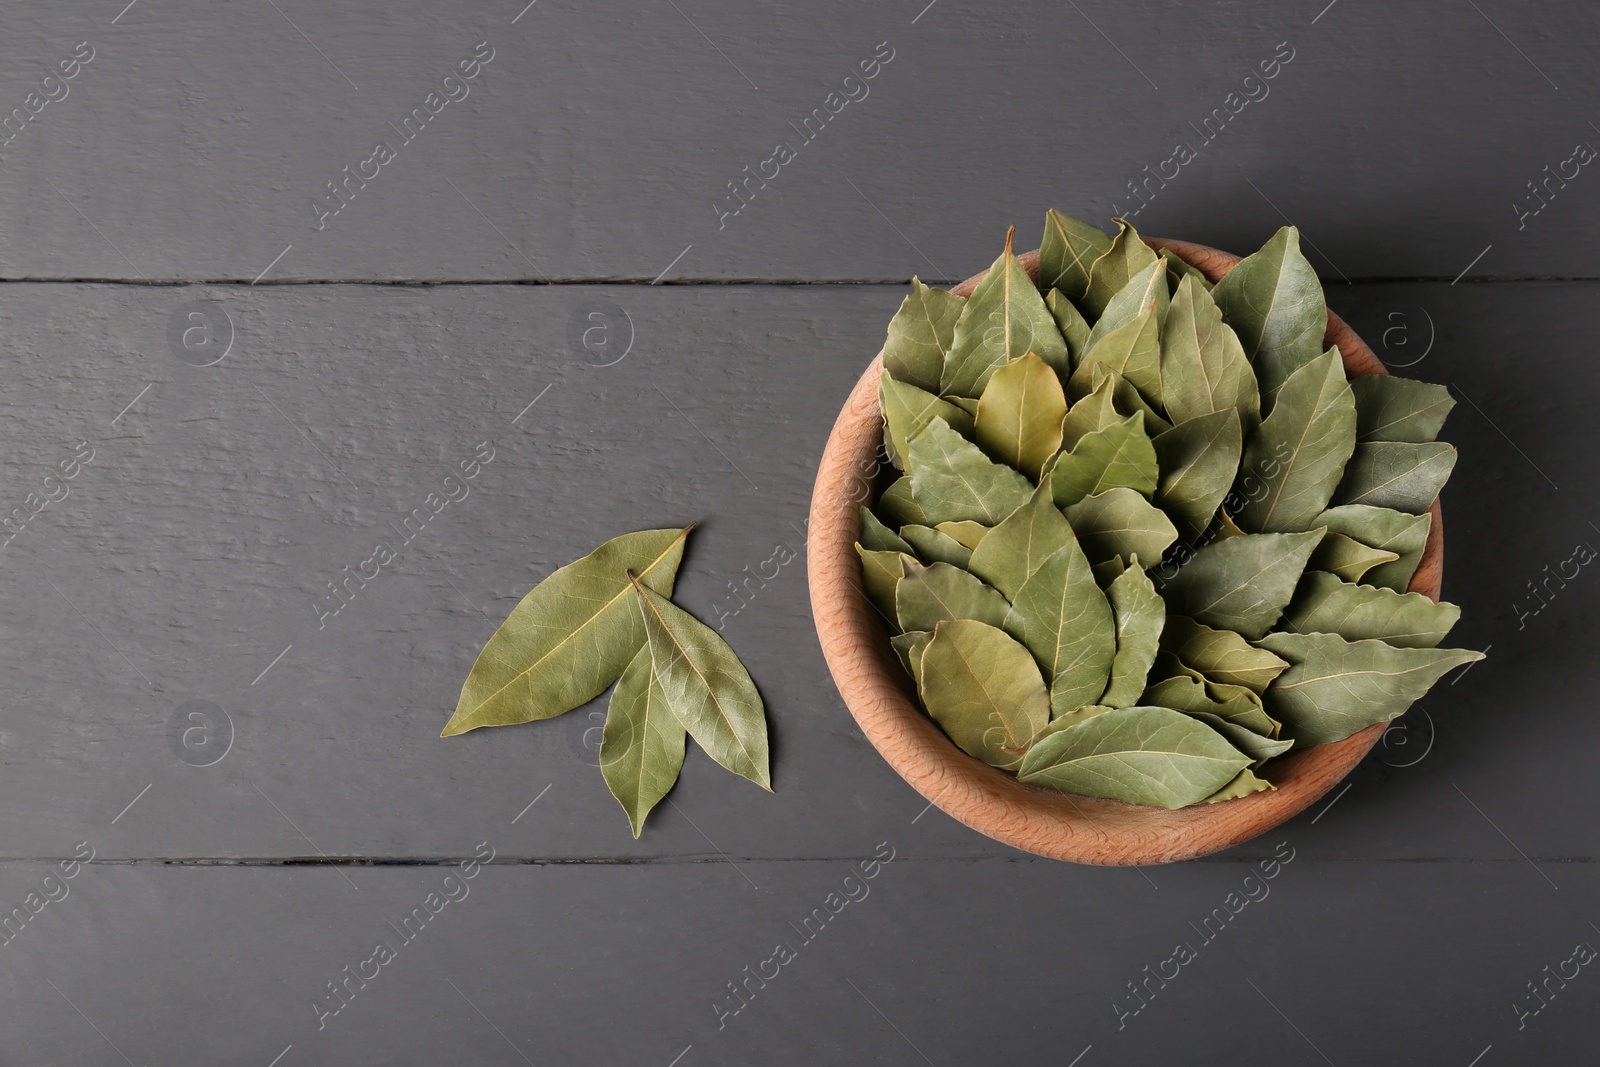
1041 821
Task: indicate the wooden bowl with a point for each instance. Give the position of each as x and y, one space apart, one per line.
1038 820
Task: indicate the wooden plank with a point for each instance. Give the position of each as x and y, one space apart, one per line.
600 140
633 964
188 560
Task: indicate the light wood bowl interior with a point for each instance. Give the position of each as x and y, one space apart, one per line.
1042 821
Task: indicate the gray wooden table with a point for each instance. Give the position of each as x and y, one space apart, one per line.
258 339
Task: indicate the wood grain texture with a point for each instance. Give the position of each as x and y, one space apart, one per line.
1043 821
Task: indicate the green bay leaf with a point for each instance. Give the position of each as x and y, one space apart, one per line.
1145 291
1133 351
1220 655
1120 522
984 690
570 637
920 336
1139 755
1090 413
1004 319
1139 613
907 411
952 480
1242 583
1203 365
1274 302
1386 529
1065 621
1405 477
1399 409
1242 786
641 746
965 533
932 546
909 648
899 507
1348 558
706 688
1335 687
927 595
1197 459
1020 413
1294 460
1179 269
881 572
1324 604
1067 251
1009 554
1122 261
1074 330
877 537
1119 456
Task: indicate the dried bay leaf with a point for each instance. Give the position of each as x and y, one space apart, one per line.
1139 613
952 480
1139 755
1088 414
706 687
1257 746
1119 456
1178 269
1065 621
1127 399
928 595
1133 351
1386 529
1347 557
1197 459
876 537
966 533
1242 583
881 572
570 637
1020 413
1220 655
1203 365
984 690
1335 687
1120 522
1074 330
920 336
1067 252
1274 302
1004 319
931 546
1402 476
909 648
1145 291
1294 461
907 411
1324 604
1399 409
1012 551
1122 261
642 744
1242 786
899 507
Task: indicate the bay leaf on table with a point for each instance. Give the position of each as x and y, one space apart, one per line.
932 546
1274 302
952 480
1402 476
1139 755
1220 655
1348 558
881 571
1144 291
1004 319
1125 258
1335 687
1132 350
1294 460
706 687
1119 456
1011 552
1093 412
1324 604
1067 251
907 411
641 746
1120 522
984 690
1399 409
1065 621
1020 413
569 637
899 507
1242 583
967 533
1074 330
920 336
928 594
909 648
1197 460
1203 365
1178 269
1139 613
876 537
1242 786
1386 529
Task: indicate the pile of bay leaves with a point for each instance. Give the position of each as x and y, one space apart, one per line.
608 618
1148 535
